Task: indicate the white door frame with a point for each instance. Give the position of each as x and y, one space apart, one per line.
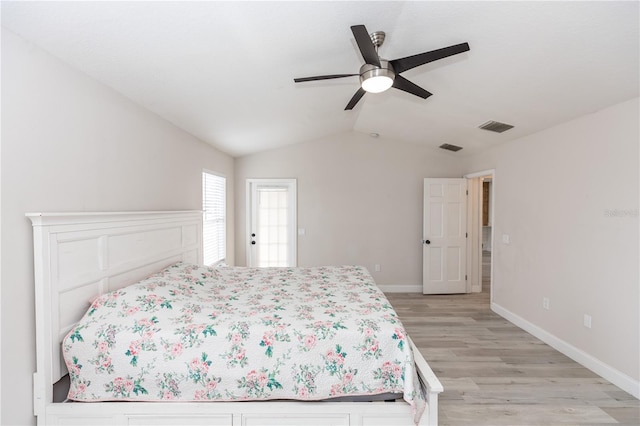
474 254
293 216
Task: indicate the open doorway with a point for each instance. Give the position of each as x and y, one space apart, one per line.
487 227
481 222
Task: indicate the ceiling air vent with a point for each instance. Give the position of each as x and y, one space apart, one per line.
495 126
450 147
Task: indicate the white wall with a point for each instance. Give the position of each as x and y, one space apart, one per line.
359 201
0 254
553 192
72 144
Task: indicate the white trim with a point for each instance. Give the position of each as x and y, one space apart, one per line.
479 174
618 378
87 218
247 222
210 228
492 210
474 235
405 288
493 231
0 281
211 172
229 223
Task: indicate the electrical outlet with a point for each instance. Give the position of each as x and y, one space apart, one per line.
377 267
545 303
587 321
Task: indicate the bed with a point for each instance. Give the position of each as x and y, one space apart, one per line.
85 261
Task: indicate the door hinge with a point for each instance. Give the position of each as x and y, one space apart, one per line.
465 277
467 192
466 235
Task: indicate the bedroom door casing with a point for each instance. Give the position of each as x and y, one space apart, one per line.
271 222
444 236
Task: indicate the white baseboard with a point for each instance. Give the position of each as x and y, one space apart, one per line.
407 288
616 377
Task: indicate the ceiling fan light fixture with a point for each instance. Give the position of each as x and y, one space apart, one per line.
376 80
377 84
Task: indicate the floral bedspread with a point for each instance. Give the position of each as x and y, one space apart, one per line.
193 333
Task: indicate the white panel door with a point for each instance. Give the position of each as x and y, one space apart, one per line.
444 242
271 222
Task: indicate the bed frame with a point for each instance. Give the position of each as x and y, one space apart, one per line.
78 256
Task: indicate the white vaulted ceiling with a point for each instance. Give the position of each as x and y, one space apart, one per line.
224 71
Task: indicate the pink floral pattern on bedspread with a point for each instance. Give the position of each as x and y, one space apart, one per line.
194 333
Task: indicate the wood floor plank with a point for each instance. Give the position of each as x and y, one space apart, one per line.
512 414
624 415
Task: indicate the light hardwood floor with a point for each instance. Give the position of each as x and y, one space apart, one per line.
494 373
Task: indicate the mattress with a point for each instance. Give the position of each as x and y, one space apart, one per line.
195 333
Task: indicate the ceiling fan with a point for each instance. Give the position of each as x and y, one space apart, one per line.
378 75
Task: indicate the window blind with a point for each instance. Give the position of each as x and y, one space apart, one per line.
214 225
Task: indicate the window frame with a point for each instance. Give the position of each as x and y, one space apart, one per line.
221 219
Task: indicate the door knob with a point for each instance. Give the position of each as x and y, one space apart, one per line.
427 242
253 242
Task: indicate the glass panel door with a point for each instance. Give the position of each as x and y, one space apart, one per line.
271 222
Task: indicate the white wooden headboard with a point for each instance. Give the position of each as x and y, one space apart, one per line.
78 256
